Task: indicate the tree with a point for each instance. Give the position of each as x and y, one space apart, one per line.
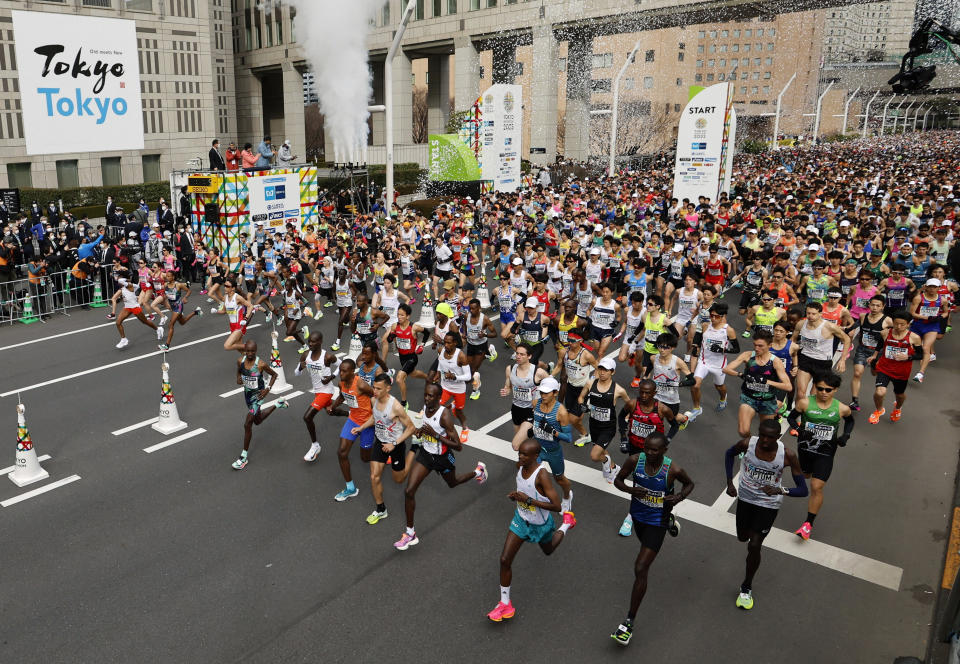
640 130
313 130
420 115
456 120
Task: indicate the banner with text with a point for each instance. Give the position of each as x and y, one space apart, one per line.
275 200
79 82
451 160
501 134
705 140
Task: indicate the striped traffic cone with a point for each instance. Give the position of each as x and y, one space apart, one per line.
28 469
281 384
169 419
98 300
28 316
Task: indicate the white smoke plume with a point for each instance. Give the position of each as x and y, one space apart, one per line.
333 36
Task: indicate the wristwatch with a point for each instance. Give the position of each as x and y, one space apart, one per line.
784 490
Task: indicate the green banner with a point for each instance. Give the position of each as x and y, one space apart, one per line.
451 160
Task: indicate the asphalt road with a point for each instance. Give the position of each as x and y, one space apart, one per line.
172 556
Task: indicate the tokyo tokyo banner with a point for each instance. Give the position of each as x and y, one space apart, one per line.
275 200
79 83
500 135
705 140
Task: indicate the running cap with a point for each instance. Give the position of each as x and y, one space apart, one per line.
933 282
517 261
608 364
445 309
532 302
449 284
549 384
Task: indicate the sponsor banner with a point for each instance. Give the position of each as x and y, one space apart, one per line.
79 83
275 200
451 160
705 140
501 134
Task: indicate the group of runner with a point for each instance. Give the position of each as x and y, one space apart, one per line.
829 253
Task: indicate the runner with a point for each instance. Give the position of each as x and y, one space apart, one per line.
715 339
601 397
522 378
647 416
604 314
355 393
535 498
652 500
669 373
392 428
927 308
294 313
872 325
453 373
763 374
437 437
238 312
815 337
477 330
177 295
575 371
404 335
250 372
131 307
323 368
763 460
818 422
891 363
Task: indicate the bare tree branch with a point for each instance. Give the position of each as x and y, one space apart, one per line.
420 115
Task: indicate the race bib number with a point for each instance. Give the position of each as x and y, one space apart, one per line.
653 499
529 509
820 432
929 311
521 394
531 336
651 336
383 431
641 429
403 343
896 354
251 382
869 340
758 385
541 433
350 400
817 294
600 414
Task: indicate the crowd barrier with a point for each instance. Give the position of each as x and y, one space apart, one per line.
32 299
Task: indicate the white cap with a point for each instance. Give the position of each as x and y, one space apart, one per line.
813 247
844 223
597 227
751 230
678 247
608 364
532 302
286 142
933 282
549 384
517 261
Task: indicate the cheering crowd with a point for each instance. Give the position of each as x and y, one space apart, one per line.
837 257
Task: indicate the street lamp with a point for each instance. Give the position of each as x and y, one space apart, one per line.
616 107
388 98
816 122
883 125
866 115
776 117
846 110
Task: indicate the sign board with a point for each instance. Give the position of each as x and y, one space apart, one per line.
500 135
203 184
275 200
705 140
451 160
79 82
11 197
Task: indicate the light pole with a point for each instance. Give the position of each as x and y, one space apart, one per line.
883 125
924 127
776 117
616 107
906 112
388 98
846 110
816 122
866 115
916 116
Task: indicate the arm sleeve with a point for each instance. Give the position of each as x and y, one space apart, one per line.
565 433
672 431
733 345
800 490
793 419
728 457
687 381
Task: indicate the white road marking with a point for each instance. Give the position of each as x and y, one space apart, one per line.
174 441
285 397
117 364
819 553
229 394
487 428
41 490
134 427
10 469
56 336
724 501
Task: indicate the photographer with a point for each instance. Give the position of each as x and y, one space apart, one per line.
36 272
82 282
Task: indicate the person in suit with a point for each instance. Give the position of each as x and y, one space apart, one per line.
216 159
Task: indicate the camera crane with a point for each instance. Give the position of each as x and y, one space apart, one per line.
913 78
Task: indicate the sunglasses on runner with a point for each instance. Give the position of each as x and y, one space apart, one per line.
825 389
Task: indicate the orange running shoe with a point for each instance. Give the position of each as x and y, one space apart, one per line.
877 414
895 415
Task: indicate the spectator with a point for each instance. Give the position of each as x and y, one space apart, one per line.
265 153
86 249
111 208
36 271
183 205
53 214
285 156
153 249
82 283
38 228
216 159
35 211
165 218
233 157
247 158
8 257
186 254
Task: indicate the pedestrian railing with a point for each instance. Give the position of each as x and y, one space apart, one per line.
31 300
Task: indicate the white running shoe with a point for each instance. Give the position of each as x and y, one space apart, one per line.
566 503
163 319
123 343
312 453
159 332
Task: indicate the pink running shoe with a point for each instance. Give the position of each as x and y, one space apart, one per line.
406 542
501 611
569 518
803 532
481 472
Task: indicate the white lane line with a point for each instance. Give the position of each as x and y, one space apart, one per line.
56 336
117 364
174 441
487 428
229 394
819 553
724 502
10 469
41 490
134 427
285 397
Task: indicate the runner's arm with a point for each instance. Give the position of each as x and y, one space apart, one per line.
679 474
800 490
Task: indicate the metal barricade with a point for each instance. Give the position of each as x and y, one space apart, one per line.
26 301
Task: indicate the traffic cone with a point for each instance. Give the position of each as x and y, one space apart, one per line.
169 420
427 317
355 348
483 294
281 384
98 301
28 469
28 316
